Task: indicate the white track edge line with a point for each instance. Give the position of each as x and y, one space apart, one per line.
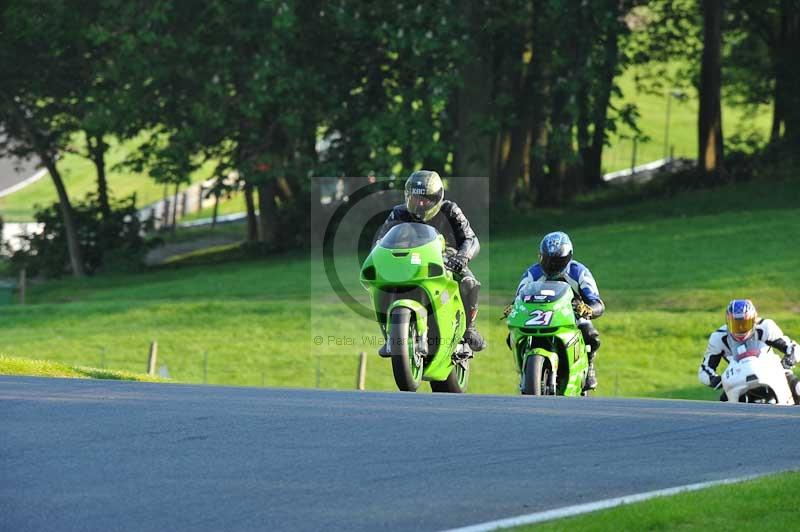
569 511
22 184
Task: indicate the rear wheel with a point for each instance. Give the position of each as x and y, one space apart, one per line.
407 364
456 382
536 376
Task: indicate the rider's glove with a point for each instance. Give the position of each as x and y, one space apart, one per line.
456 263
581 309
507 311
715 382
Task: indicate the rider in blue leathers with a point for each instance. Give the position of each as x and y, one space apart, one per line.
556 264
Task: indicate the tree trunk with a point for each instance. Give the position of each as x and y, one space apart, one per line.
97 152
73 245
473 154
791 100
593 161
252 222
175 208
45 155
515 164
266 211
216 211
710 156
777 106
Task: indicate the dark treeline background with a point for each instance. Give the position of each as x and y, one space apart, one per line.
517 90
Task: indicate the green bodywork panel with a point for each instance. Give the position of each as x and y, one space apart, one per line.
391 275
542 322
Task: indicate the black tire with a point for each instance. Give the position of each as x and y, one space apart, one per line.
536 375
456 382
407 374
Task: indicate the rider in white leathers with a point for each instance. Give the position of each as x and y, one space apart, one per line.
744 327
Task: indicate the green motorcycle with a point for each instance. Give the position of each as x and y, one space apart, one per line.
418 306
548 347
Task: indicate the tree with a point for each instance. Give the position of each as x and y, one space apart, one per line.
710 156
37 80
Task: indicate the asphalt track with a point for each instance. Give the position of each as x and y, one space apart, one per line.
105 455
13 171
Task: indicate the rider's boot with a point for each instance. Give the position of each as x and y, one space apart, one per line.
592 339
794 386
591 377
469 293
383 351
474 339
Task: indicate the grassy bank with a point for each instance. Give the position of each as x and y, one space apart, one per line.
666 269
47 368
766 503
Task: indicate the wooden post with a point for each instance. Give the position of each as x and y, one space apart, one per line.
151 359
362 370
23 281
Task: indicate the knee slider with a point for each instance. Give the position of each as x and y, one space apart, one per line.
469 283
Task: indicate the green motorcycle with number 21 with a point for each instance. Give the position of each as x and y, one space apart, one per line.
548 347
418 306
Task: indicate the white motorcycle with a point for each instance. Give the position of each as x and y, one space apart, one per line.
757 376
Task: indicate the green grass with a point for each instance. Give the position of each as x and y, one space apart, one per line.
682 124
764 504
46 368
666 269
80 179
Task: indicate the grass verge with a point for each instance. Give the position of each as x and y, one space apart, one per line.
666 269
765 504
46 368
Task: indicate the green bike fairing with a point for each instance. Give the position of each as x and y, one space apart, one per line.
406 269
542 322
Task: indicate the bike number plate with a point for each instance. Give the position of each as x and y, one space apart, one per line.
539 317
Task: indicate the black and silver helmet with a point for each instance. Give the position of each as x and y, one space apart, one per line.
424 194
555 253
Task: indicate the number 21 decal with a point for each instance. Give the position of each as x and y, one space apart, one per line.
540 318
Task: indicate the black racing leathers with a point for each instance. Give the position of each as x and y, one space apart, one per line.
449 221
459 238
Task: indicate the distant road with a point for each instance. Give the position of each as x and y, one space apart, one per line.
105 455
13 171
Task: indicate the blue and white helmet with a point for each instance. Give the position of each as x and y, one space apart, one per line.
555 253
741 317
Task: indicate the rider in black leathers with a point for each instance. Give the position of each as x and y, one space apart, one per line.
425 203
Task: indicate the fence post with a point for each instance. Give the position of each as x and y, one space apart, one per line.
633 156
23 281
362 370
151 359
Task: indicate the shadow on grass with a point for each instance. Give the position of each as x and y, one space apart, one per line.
698 393
101 374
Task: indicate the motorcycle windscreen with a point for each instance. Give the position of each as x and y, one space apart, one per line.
543 291
408 235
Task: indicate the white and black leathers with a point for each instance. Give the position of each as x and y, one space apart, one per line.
722 345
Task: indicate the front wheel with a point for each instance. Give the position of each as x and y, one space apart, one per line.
407 364
536 376
456 382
